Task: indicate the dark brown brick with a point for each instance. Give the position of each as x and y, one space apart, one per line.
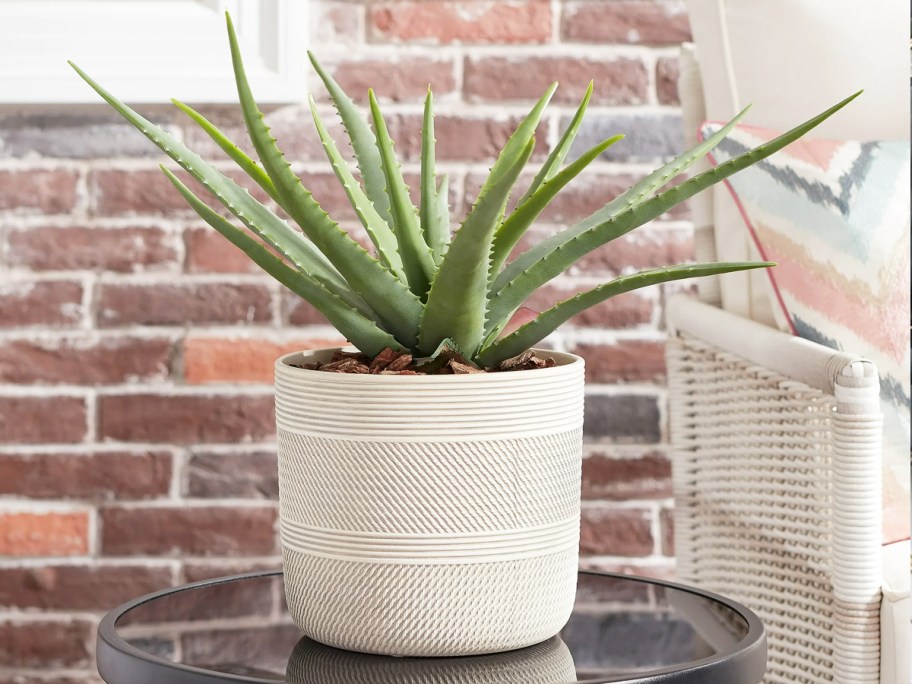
615 532
652 22
248 476
300 312
183 304
623 478
403 79
461 21
99 476
460 138
192 531
49 303
46 644
624 361
186 419
79 587
42 420
667 73
74 361
623 418
666 517
617 81
38 191
51 248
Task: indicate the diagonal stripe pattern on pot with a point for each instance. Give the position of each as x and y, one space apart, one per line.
430 516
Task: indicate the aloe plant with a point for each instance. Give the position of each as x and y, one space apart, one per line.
421 289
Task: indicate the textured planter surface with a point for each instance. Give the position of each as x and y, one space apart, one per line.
430 515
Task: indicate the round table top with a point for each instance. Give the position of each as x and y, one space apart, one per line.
623 629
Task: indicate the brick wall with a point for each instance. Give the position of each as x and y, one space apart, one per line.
136 346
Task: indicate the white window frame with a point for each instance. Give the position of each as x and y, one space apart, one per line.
149 51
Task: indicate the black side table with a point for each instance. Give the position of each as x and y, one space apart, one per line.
623 629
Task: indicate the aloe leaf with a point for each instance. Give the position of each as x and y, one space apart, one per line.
416 255
442 218
362 140
552 256
383 291
546 322
247 165
278 234
642 190
559 153
436 228
456 303
377 229
513 228
358 329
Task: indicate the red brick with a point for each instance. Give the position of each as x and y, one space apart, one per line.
79 587
50 248
183 304
251 475
99 476
46 644
666 518
460 138
122 192
194 531
50 302
38 191
617 81
186 419
195 570
623 311
42 420
463 21
667 73
300 312
623 478
662 571
624 361
209 252
81 362
647 247
653 22
403 79
44 534
615 532
214 359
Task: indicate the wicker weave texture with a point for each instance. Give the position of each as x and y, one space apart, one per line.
427 546
549 662
755 478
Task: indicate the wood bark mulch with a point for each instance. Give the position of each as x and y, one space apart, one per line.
391 362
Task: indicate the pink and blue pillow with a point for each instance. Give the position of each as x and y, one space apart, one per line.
835 216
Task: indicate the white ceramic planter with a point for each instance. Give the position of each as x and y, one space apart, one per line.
430 515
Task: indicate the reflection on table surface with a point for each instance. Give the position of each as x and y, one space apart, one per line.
620 627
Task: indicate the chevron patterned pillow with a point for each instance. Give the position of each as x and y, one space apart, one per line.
834 215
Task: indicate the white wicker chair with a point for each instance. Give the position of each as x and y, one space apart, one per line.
776 440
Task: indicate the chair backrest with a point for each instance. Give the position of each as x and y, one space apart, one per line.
777 477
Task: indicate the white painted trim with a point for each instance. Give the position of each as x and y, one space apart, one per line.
148 51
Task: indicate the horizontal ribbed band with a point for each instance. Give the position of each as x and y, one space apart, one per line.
431 549
428 407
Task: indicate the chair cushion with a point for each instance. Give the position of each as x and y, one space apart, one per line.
835 216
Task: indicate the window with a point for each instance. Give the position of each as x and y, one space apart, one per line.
148 51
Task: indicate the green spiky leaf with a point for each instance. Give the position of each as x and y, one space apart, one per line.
435 226
556 254
383 291
416 255
377 229
548 321
442 218
456 303
358 329
362 140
